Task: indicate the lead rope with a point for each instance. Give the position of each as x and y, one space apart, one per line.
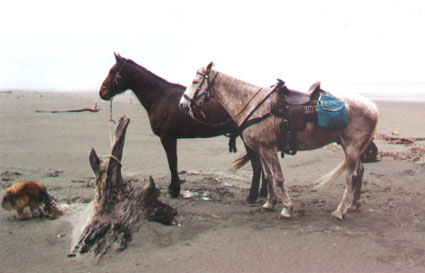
111 137
112 122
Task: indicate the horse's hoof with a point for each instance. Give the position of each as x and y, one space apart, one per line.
285 214
338 215
174 193
356 205
251 199
263 193
268 205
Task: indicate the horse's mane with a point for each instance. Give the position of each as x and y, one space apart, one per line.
151 76
238 81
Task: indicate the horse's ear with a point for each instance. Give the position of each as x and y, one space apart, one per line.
210 66
117 57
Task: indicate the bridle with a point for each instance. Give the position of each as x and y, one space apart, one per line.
207 94
208 90
116 78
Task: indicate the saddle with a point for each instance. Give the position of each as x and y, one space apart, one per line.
295 108
294 97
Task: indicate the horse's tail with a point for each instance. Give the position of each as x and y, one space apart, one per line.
241 161
332 176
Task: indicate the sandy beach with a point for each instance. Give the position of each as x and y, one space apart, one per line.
222 232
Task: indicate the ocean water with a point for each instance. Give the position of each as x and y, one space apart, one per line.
414 92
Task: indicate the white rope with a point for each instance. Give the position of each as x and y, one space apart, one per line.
111 135
112 157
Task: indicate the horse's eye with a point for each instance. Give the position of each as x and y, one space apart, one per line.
195 82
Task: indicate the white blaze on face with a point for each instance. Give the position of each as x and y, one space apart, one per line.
187 98
184 101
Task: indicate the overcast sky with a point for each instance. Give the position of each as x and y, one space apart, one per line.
69 45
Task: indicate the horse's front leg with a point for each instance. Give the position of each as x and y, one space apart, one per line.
170 147
272 164
271 195
263 189
278 175
268 177
357 185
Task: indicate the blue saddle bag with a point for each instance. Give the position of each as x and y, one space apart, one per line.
331 112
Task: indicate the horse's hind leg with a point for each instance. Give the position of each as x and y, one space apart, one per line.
256 175
357 184
353 185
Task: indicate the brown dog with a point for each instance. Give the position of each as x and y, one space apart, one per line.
33 195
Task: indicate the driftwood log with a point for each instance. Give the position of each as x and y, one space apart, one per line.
119 209
399 140
93 110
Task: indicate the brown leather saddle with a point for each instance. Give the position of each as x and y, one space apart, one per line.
294 97
295 108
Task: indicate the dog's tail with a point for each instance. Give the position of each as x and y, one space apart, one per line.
53 209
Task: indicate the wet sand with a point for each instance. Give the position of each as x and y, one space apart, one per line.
222 233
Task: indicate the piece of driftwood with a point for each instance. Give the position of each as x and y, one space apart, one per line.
94 109
119 209
399 140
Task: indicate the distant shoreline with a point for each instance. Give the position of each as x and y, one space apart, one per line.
382 95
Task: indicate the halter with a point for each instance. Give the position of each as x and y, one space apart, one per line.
116 77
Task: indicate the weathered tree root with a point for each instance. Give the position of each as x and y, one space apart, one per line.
119 210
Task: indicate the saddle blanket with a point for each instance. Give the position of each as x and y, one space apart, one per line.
331 112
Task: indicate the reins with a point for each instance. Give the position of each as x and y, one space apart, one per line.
250 100
211 124
230 119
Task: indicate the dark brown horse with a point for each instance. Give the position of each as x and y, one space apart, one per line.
161 100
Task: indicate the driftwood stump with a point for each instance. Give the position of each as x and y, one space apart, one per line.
119 209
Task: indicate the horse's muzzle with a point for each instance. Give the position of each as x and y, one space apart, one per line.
184 107
104 93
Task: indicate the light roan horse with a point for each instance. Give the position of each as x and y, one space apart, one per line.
161 98
262 136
